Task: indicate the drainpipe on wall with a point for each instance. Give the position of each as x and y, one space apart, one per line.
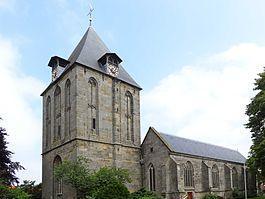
231 178
245 181
210 178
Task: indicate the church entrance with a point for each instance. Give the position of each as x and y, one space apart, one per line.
190 195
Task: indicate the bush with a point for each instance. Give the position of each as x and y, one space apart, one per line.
210 196
237 194
144 194
12 193
30 188
107 183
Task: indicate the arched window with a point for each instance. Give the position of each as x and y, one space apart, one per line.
48 121
215 176
234 178
67 107
93 104
57 183
57 113
152 182
129 116
188 175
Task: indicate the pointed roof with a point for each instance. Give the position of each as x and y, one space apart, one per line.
90 49
196 148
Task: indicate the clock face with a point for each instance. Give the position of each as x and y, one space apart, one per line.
113 69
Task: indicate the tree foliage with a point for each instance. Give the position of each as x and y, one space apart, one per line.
144 194
34 191
7 167
110 183
11 192
107 183
256 124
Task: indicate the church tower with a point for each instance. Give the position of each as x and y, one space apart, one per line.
91 108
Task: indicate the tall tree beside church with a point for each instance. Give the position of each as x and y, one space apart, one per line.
256 124
7 167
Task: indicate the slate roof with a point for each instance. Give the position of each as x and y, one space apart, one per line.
90 49
196 148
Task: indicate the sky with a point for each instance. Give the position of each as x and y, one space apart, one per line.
195 60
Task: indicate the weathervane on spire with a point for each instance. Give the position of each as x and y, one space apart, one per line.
91 9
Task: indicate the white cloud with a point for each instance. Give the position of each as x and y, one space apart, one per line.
206 101
19 97
7 4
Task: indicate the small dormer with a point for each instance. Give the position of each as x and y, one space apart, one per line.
58 65
110 63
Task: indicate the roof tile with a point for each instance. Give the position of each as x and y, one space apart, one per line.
191 147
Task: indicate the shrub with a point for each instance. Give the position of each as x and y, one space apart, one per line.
210 196
237 194
144 194
107 183
30 188
12 193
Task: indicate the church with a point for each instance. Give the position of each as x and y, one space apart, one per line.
91 108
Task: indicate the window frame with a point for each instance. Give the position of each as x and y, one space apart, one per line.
215 176
152 178
188 175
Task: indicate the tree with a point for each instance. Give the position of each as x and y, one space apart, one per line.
7 167
11 192
256 123
144 194
30 188
107 183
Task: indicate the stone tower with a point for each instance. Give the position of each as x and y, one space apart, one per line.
92 109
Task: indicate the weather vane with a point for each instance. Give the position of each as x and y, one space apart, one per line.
91 9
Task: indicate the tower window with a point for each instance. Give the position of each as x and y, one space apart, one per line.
94 123
129 116
57 113
48 120
57 183
93 104
67 107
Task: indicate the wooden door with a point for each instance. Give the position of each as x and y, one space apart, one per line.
190 195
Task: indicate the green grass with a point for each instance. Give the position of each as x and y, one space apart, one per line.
260 197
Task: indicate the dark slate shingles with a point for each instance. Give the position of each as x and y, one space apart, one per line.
191 147
90 49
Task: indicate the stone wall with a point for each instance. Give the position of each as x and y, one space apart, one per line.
105 93
106 146
67 152
71 75
155 151
65 147
110 146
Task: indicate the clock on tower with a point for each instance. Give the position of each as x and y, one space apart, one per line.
110 62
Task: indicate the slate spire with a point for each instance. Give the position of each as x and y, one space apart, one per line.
89 51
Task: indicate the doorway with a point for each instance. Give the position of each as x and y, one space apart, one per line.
190 195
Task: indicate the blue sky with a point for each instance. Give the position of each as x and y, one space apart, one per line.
201 55
147 34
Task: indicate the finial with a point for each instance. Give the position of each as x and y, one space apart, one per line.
91 9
